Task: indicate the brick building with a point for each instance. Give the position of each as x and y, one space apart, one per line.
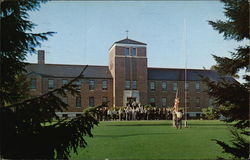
126 78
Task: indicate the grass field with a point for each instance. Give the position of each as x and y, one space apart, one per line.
154 140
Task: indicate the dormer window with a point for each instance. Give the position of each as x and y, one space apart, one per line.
133 51
126 51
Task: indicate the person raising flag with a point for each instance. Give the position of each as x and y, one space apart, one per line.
177 115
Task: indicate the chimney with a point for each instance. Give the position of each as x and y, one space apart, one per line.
41 57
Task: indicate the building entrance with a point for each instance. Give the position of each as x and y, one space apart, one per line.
130 96
131 100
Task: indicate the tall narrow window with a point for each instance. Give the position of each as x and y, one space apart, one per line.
126 51
91 84
33 83
78 85
104 100
104 85
65 100
186 85
175 86
197 102
197 86
133 51
78 102
134 85
164 101
152 101
127 84
164 86
91 101
51 84
64 82
210 103
188 102
152 86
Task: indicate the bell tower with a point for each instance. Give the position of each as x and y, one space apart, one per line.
128 67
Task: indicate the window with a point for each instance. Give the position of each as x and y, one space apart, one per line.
152 86
186 85
133 51
78 102
104 85
164 86
175 86
197 86
65 115
78 115
164 101
91 84
187 101
51 84
65 100
152 101
127 84
134 85
104 100
64 82
198 115
126 51
210 103
33 83
78 85
91 101
197 101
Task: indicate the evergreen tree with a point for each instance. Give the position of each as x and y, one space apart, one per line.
27 126
233 97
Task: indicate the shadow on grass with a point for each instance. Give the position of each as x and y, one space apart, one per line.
131 135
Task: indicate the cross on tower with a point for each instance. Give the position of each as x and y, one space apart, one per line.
127 33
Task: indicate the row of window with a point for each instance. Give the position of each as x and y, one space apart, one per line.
152 86
130 52
51 84
128 85
92 85
164 101
91 102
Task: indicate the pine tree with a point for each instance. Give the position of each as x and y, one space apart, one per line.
233 97
29 126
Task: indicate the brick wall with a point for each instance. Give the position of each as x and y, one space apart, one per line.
192 94
97 93
128 68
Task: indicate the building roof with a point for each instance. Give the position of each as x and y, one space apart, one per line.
63 70
170 74
173 74
130 41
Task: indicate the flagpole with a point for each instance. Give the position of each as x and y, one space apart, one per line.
185 51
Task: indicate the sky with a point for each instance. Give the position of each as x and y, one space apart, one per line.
85 30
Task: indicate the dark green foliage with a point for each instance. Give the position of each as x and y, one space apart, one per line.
35 131
29 127
239 60
233 97
16 41
235 106
236 26
239 148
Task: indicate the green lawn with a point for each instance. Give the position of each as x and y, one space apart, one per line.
154 140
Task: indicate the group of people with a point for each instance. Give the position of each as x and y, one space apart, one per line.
133 113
